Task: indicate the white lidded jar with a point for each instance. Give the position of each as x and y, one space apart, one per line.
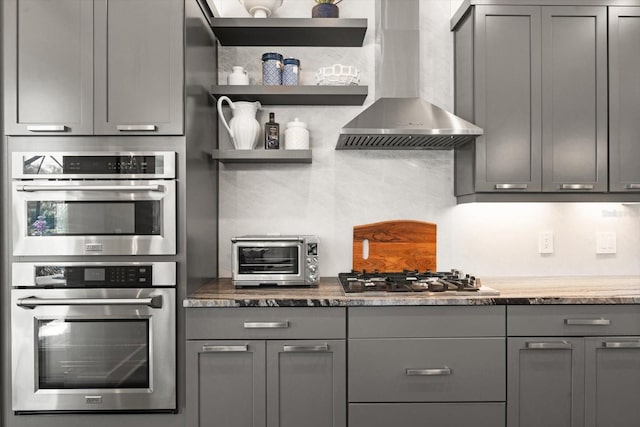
296 135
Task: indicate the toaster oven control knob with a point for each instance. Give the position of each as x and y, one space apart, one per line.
313 268
313 278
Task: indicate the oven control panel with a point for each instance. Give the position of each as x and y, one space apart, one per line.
94 276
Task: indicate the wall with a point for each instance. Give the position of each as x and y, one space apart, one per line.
343 188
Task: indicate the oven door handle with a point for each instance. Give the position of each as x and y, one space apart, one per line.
125 188
33 302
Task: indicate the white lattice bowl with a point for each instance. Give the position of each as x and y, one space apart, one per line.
261 8
338 75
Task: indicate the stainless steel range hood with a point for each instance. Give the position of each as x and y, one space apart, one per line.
399 119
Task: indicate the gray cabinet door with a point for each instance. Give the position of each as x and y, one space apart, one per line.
49 67
225 384
306 383
574 99
624 99
612 381
545 382
139 66
507 99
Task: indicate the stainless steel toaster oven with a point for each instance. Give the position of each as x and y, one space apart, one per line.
275 260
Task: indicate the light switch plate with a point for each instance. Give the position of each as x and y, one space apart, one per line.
606 242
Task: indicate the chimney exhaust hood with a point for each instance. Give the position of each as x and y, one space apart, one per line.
399 119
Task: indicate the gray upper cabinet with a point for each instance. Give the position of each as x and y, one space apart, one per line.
49 67
103 67
624 98
507 101
139 67
535 79
574 98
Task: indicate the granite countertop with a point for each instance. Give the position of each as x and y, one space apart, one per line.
513 291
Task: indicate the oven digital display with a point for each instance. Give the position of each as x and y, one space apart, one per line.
94 274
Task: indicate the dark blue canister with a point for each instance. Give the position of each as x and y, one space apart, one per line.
272 69
291 71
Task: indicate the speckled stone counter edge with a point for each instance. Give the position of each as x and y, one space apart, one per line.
513 291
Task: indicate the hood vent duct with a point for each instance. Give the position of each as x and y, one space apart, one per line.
400 120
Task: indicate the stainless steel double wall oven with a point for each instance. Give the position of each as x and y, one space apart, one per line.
93 319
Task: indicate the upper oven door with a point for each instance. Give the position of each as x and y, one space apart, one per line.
94 217
93 349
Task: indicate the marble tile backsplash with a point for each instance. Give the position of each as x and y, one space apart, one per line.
343 188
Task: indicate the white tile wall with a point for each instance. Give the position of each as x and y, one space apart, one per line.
343 188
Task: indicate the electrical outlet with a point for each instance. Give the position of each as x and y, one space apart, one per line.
545 242
605 242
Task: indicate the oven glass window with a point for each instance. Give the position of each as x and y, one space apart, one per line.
76 354
271 260
58 218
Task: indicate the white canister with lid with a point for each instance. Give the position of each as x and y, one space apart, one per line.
296 135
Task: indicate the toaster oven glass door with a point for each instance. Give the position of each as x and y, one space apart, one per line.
268 260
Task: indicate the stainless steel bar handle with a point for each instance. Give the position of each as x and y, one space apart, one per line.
511 186
576 186
429 372
266 325
33 302
587 322
47 128
137 128
124 188
224 348
633 186
621 344
305 348
559 345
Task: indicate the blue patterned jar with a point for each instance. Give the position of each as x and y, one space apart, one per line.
291 71
271 69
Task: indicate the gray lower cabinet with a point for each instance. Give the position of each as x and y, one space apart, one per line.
86 67
443 366
624 99
580 363
535 79
284 367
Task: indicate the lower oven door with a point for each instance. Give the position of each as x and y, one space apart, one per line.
93 350
124 217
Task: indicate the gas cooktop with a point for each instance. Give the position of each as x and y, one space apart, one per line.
450 283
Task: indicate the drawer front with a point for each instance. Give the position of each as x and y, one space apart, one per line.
426 414
426 322
427 370
573 320
266 323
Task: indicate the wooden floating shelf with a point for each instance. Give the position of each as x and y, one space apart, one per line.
294 95
262 156
330 32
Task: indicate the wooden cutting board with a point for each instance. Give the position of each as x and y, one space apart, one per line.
395 246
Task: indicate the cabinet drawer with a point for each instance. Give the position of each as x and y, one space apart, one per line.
421 322
426 414
573 320
266 323
426 370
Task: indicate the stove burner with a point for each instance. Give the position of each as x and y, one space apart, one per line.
408 281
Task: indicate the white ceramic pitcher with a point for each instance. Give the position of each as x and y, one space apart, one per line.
243 127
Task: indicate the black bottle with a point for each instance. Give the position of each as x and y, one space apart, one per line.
272 133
